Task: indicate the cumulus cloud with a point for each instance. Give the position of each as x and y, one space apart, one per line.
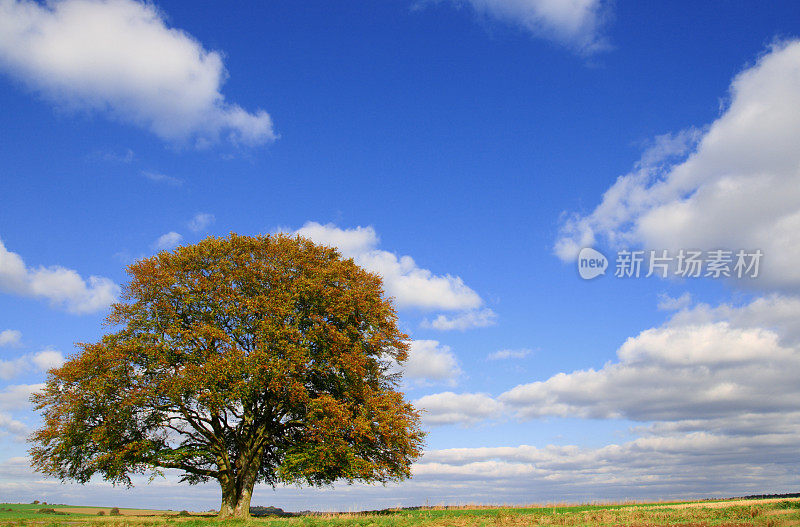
11 426
430 361
403 279
576 24
703 364
47 359
725 369
13 368
479 318
509 354
736 185
62 287
167 241
713 388
42 361
10 337
119 57
201 221
775 313
696 465
655 467
17 396
464 409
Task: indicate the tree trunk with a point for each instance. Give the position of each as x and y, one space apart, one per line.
236 504
229 500
242 509
237 491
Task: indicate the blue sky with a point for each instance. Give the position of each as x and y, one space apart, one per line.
465 150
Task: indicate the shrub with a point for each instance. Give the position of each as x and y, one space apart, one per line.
260 510
101 513
184 513
114 511
48 510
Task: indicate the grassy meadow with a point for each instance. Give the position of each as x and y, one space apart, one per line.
776 512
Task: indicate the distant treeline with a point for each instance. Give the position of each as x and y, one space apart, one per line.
259 510
766 496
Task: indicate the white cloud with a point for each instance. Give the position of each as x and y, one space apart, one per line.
120 57
13 368
479 469
10 337
509 354
48 359
410 285
414 286
775 313
10 426
698 436
17 396
201 221
62 287
458 408
430 361
694 465
738 187
167 241
726 369
668 303
703 364
349 241
659 466
43 361
713 387
158 177
576 24
470 319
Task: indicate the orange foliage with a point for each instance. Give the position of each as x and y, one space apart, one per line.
240 359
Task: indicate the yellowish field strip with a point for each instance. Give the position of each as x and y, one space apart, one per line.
727 503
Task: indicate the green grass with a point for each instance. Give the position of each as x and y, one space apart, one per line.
24 510
756 514
19 513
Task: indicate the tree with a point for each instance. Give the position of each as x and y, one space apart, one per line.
241 359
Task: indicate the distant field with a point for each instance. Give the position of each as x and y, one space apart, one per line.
732 513
14 513
123 512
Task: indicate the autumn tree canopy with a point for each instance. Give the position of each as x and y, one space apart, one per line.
241 359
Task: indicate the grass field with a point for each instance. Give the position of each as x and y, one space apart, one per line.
778 512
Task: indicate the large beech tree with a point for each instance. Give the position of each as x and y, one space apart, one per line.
241 359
